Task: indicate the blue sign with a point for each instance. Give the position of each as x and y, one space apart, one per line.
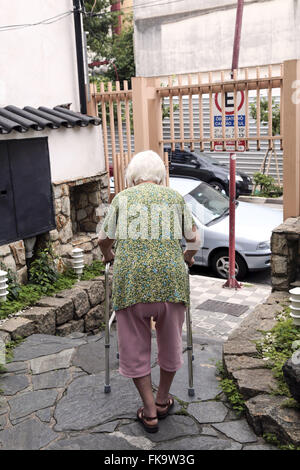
230 121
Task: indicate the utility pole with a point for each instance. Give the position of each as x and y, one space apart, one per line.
80 57
232 282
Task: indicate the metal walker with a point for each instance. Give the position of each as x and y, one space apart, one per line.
108 322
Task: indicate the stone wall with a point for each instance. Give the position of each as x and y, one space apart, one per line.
80 309
78 212
285 259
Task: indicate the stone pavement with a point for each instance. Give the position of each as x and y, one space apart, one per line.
217 323
53 397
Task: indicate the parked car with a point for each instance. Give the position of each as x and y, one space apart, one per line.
210 208
254 225
205 168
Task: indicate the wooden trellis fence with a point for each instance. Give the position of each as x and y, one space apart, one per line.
140 110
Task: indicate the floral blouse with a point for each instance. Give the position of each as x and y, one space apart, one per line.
146 221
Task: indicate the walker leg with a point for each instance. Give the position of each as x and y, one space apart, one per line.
107 387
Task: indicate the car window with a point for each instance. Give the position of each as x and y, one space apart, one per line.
206 203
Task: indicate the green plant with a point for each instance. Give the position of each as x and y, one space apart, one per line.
31 293
273 440
291 403
233 395
276 347
43 271
264 114
268 187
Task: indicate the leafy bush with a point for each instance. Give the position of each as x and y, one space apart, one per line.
44 280
43 270
276 348
268 187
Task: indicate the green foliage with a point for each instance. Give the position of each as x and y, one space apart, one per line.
276 348
230 389
43 270
291 403
94 270
264 115
268 187
273 440
99 27
122 54
233 395
9 347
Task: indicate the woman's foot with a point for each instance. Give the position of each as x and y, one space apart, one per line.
164 407
150 423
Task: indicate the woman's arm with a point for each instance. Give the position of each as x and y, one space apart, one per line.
193 244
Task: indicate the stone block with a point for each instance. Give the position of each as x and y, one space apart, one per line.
63 307
70 327
10 263
22 275
280 283
18 327
239 348
94 290
66 206
279 265
95 198
256 381
57 205
66 233
267 414
61 221
82 201
94 318
18 251
291 372
81 215
43 318
4 336
4 250
279 244
80 300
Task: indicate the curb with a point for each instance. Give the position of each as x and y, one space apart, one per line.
261 200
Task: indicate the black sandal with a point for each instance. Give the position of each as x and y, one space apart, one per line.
148 427
169 405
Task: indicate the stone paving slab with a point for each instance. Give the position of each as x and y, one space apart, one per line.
64 405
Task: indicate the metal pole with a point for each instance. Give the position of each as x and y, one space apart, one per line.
232 282
237 36
80 57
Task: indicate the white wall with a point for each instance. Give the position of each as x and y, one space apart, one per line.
38 64
197 35
74 153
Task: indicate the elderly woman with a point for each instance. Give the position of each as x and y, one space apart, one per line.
149 278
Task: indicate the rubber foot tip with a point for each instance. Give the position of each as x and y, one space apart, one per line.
107 389
191 392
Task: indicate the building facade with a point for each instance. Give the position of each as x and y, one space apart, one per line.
195 35
53 175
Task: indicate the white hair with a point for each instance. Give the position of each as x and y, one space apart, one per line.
145 166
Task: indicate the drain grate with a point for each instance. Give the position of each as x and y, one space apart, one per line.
223 307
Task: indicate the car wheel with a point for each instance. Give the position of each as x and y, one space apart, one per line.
218 186
220 265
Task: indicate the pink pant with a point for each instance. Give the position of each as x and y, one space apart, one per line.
134 337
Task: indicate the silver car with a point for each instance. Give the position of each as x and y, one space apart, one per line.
254 225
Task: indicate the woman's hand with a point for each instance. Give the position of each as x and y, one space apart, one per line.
189 257
108 257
